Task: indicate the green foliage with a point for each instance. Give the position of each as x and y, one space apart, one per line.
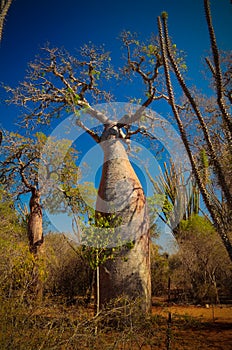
197 225
180 57
17 263
164 15
150 50
154 203
98 238
8 216
204 163
100 242
174 197
97 73
45 163
16 268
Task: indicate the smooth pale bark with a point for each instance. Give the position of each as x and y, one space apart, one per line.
121 193
35 237
35 229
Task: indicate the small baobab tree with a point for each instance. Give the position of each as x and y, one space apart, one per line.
20 163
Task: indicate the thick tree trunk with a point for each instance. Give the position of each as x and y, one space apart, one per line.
121 194
35 237
35 230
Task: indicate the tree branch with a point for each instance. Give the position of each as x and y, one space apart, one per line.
90 132
23 177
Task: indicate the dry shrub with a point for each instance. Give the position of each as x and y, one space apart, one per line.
120 325
69 275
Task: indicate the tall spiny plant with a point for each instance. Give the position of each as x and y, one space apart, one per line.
218 205
4 8
180 196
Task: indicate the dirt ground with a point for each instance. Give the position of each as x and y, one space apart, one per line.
61 327
208 327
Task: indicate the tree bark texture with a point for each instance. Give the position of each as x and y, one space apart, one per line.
121 194
35 230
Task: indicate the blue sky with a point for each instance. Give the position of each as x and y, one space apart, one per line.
30 24
72 23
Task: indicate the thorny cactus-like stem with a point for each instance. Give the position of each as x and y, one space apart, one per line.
177 117
218 73
4 7
217 166
210 206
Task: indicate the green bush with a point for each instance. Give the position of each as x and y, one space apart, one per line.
16 263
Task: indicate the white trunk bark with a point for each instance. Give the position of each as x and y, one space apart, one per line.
121 193
35 223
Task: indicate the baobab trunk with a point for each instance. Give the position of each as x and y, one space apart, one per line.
35 237
35 230
121 196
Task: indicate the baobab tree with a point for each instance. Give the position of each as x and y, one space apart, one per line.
20 161
59 83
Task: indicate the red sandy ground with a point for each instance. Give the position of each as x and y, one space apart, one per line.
204 328
192 328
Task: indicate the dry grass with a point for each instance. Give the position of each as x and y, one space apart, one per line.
56 326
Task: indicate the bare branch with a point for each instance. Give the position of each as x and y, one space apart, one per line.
143 59
211 67
58 82
23 177
90 132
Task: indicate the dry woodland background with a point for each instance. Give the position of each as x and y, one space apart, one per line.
57 294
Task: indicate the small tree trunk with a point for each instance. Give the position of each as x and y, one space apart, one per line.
35 237
121 193
35 230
